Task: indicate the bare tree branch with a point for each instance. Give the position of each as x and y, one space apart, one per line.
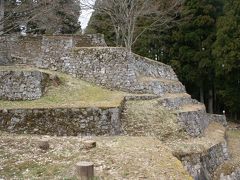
124 15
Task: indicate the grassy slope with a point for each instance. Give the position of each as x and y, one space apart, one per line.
114 158
71 93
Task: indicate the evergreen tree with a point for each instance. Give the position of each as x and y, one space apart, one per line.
101 23
191 48
226 51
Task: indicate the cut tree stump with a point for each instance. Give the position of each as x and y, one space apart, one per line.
44 145
85 170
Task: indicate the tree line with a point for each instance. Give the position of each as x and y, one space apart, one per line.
200 39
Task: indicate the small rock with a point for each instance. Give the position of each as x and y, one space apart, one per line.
89 144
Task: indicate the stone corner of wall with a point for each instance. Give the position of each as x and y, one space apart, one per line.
218 118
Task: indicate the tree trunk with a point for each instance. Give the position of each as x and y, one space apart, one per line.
85 170
210 101
214 100
201 94
1 16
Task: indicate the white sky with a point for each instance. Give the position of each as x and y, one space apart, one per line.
85 16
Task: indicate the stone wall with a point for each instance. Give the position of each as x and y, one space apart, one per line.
4 53
195 122
90 40
22 85
114 68
202 165
218 118
233 176
30 47
58 121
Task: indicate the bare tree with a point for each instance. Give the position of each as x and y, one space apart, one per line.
124 15
49 16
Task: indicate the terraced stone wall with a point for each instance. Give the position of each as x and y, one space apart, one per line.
26 85
114 68
202 165
111 67
62 121
119 69
31 48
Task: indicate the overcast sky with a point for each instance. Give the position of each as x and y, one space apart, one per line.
85 16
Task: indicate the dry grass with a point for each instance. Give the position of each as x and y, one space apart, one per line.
148 118
71 93
176 95
149 79
114 158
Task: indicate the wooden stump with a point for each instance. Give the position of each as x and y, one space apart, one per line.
85 170
44 145
89 144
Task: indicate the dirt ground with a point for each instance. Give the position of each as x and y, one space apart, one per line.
113 158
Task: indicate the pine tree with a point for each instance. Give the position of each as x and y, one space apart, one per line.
226 51
191 48
101 23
